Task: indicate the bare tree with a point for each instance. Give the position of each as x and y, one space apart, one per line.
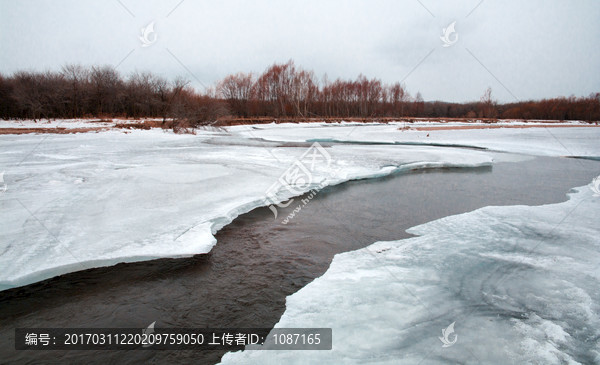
237 90
488 105
27 92
107 87
398 97
78 78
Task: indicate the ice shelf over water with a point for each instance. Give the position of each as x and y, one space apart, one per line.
85 200
75 201
521 285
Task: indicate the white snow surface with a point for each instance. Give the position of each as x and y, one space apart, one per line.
520 283
75 201
537 141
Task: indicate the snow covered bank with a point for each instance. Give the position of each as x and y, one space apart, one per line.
520 283
94 199
79 201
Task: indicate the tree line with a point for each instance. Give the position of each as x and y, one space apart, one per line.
76 91
282 90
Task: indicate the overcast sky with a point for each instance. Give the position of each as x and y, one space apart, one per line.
522 49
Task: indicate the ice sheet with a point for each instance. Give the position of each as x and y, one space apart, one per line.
86 200
539 141
520 283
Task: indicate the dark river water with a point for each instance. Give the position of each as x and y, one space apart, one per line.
258 261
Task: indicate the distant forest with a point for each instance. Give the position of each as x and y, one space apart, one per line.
281 91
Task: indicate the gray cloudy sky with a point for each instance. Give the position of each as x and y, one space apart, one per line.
522 49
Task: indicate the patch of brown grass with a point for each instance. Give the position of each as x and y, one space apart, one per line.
140 125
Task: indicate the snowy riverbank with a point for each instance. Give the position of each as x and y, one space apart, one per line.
520 283
95 199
